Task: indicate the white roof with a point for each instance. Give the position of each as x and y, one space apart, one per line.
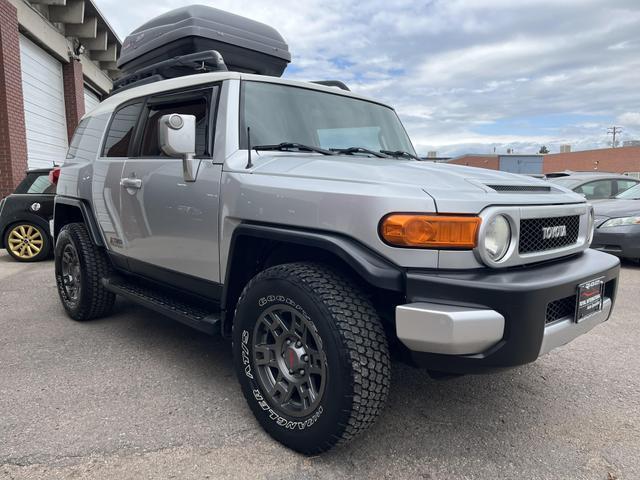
114 101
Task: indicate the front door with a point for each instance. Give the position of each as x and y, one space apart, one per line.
167 223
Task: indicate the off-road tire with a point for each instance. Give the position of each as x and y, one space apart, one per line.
352 336
93 300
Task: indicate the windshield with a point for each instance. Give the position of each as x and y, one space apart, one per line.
632 194
282 113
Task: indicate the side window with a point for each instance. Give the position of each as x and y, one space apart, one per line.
197 105
35 184
25 184
624 185
121 131
41 185
597 190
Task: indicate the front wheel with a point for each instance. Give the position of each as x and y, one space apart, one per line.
311 356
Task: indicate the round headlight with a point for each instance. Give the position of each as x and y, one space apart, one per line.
497 238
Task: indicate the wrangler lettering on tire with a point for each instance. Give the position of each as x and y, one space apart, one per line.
311 356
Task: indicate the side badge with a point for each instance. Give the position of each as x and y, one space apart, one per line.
116 242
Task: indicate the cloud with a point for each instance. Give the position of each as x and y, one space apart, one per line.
630 119
463 74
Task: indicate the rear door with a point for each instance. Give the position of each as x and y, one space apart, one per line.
107 170
169 224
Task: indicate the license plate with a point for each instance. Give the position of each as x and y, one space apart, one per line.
590 298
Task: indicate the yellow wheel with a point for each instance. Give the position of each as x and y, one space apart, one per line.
27 242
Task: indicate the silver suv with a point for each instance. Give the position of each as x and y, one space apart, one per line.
295 219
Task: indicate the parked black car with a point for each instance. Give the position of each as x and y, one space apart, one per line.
25 216
618 224
594 185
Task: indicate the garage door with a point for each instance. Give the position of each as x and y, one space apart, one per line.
91 100
44 115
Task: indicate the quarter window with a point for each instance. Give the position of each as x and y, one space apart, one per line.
624 185
121 131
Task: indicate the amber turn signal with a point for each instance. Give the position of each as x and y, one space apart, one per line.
430 231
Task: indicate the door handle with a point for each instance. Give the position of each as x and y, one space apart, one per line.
131 183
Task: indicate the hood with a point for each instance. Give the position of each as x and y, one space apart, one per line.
455 188
615 208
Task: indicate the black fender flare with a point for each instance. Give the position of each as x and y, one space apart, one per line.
369 265
87 216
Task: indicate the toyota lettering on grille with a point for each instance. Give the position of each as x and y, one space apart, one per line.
558 231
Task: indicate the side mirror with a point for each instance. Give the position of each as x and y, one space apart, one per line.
177 138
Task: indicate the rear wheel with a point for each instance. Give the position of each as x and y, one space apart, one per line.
80 267
27 242
311 356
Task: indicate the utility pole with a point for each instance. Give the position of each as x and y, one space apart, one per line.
614 131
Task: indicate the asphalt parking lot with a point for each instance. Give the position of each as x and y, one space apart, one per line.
138 396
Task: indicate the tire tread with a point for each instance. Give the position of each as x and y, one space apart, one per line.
96 301
364 344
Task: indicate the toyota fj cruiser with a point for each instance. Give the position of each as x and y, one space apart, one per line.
295 219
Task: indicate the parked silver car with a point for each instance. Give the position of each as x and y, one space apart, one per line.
595 186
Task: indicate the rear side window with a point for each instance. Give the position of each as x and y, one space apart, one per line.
85 145
36 184
598 189
121 130
624 185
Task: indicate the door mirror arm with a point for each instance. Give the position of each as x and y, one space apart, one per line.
189 168
177 136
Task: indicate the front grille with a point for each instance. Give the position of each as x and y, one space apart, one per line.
563 308
520 188
532 233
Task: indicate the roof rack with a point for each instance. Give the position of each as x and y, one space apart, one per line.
200 62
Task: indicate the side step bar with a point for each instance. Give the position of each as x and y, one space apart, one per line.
200 315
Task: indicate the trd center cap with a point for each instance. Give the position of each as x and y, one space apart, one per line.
293 358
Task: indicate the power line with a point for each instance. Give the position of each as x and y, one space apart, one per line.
614 131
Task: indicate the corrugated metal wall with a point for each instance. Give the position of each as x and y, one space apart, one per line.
521 164
44 112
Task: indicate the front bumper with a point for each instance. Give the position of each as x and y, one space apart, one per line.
623 241
471 322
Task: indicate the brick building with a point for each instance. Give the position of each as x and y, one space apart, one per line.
507 163
57 60
618 160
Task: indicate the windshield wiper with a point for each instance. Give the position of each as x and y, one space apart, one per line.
285 146
352 150
400 153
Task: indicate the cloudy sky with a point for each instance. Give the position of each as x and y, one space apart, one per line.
464 75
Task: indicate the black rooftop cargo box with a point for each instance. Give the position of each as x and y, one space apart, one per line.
246 45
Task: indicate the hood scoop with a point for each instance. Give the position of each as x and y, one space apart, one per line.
521 188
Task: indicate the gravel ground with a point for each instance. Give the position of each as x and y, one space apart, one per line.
139 396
